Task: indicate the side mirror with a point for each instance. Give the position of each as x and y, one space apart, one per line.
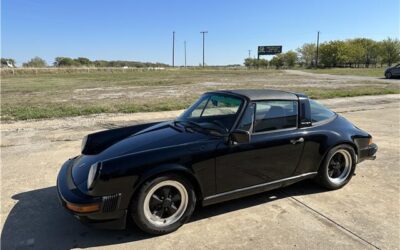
239 136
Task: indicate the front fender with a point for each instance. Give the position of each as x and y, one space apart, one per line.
169 168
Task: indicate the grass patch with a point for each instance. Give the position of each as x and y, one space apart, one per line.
25 112
372 72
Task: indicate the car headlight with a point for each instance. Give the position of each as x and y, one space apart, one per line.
84 140
93 174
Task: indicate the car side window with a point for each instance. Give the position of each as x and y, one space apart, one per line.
274 115
246 123
319 112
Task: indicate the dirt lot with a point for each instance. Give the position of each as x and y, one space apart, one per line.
363 215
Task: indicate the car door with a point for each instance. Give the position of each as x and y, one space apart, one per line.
274 150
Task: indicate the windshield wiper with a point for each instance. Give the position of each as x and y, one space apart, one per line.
184 124
199 127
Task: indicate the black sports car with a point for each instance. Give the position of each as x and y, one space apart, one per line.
228 144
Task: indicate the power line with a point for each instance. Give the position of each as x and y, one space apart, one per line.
316 60
203 32
185 52
173 48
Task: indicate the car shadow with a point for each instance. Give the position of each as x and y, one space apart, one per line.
393 78
37 220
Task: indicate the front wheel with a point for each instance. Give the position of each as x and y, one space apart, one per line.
388 75
163 204
338 167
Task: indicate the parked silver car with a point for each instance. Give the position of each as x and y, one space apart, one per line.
393 71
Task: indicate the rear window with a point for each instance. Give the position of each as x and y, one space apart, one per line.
319 112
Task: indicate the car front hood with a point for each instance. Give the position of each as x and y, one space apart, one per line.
156 137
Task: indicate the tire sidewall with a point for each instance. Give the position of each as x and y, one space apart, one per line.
323 171
137 211
388 75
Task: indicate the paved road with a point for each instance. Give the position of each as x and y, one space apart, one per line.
341 77
363 215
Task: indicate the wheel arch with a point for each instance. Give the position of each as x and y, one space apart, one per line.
169 169
346 142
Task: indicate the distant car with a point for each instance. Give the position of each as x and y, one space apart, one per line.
393 71
227 145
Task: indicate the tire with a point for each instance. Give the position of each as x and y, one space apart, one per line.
332 175
155 214
388 75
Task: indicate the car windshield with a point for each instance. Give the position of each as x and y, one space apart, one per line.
212 112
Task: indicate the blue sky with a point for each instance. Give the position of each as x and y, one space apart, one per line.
142 30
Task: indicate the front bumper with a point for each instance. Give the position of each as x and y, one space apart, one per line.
107 215
368 153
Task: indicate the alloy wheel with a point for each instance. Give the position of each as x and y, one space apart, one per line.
165 203
339 166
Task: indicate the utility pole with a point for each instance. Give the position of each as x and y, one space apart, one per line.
316 61
173 48
185 52
203 32
249 53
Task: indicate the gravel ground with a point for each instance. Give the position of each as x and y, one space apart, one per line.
363 215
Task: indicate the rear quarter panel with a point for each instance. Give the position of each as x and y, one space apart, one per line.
320 138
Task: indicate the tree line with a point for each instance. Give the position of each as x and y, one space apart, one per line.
82 61
354 53
38 62
358 52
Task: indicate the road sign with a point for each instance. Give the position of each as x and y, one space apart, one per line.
269 50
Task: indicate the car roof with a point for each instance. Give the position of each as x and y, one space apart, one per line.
261 94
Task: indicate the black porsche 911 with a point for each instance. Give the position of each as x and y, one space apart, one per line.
227 145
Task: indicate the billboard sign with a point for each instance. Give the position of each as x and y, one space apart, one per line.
269 50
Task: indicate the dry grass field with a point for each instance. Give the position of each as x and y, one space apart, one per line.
38 95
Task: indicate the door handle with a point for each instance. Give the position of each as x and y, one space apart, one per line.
300 140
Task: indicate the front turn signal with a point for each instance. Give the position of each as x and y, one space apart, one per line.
84 208
370 141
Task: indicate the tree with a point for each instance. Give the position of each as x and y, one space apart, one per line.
100 63
248 62
83 61
307 54
255 63
262 63
277 61
35 62
352 53
64 62
369 52
390 51
290 58
333 53
7 62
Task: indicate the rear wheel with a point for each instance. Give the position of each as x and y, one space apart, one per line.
163 204
338 167
388 75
